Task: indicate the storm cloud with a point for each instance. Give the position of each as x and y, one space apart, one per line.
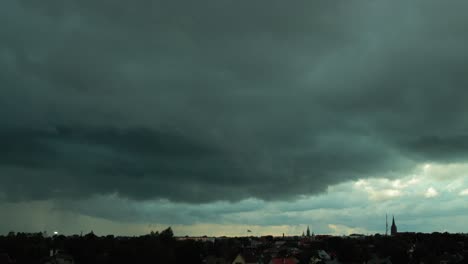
223 100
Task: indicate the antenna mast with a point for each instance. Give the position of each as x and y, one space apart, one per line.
386 225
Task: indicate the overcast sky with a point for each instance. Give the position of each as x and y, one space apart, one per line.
219 116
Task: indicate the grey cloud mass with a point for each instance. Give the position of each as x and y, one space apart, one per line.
225 100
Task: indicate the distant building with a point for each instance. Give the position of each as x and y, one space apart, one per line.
377 260
322 257
280 243
202 239
245 259
59 257
357 236
5 259
215 260
290 260
394 230
322 254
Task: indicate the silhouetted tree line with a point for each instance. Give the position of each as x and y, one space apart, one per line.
162 247
152 248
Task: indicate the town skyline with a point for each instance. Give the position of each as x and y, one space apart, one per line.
164 247
391 230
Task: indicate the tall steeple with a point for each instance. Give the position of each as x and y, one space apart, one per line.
308 231
394 230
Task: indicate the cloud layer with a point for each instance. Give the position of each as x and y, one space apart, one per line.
226 101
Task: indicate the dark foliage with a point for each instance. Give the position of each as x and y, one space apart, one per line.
163 247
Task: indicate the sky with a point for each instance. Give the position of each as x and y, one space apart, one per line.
219 116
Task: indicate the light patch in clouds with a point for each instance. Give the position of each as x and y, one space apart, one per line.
444 172
447 177
385 194
377 191
464 192
399 184
339 230
431 192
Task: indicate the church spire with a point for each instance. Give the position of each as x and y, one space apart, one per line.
394 230
308 231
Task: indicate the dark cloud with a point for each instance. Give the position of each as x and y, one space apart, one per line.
139 163
443 149
223 100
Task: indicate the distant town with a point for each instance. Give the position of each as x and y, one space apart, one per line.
164 247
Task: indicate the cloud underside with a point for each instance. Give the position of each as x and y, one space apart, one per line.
351 207
225 100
